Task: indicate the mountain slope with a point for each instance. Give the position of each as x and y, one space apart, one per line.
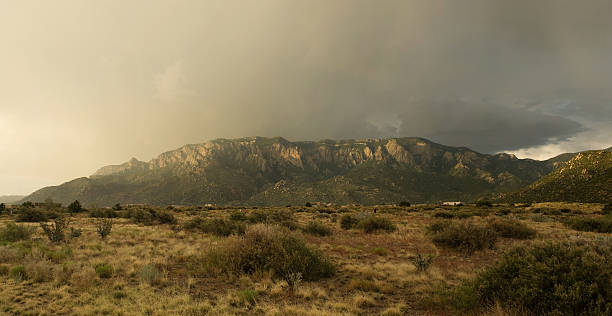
265 171
10 198
585 178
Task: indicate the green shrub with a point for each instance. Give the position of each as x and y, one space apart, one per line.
373 224
32 215
512 228
265 248
484 203
422 262
103 213
55 231
238 216
248 297
104 227
17 272
4 269
165 217
75 207
548 279
75 232
600 225
104 270
317 228
347 221
464 237
216 226
444 214
14 232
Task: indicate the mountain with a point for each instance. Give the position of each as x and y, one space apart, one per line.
587 177
10 198
275 171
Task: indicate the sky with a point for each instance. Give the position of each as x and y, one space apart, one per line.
87 83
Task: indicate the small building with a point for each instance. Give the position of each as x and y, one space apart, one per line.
452 203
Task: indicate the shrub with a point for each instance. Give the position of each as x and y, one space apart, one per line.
75 207
2 208
266 248
165 217
248 297
549 279
150 274
18 272
238 216
444 214
317 228
600 225
104 227
117 207
347 221
283 217
465 237
607 209
103 213
31 215
373 224
421 262
4 269
104 270
484 203
39 271
512 228
14 232
404 203
75 232
55 231
308 204
216 226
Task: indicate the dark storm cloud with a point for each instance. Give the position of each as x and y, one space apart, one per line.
114 79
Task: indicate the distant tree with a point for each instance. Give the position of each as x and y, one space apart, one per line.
75 207
308 204
49 204
484 203
117 207
2 208
27 204
404 203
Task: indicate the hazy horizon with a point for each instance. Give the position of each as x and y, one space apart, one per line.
87 84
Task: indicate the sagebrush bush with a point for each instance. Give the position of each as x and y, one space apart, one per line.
39 271
347 221
103 213
14 232
104 270
282 217
373 224
317 228
512 228
464 237
216 226
548 279
149 216
266 248
599 224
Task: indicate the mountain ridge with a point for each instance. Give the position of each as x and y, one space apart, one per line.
261 171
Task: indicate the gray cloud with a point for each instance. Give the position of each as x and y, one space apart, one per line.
87 83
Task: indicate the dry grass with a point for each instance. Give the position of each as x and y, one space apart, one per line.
157 269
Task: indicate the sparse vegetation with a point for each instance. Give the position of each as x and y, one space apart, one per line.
374 224
104 270
464 237
317 228
512 228
14 232
347 221
590 224
56 231
104 227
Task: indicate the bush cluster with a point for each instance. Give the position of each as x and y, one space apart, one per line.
149 216
33 215
600 224
317 228
14 232
548 279
282 217
348 221
103 213
216 226
465 237
267 248
512 228
373 224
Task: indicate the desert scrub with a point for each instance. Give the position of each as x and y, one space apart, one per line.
548 278
347 221
104 227
265 248
17 273
55 231
216 226
282 217
150 274
373 224
12 232
104 270
317 228
512 228
464 237
599 224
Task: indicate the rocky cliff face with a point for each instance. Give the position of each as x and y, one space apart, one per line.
261 170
